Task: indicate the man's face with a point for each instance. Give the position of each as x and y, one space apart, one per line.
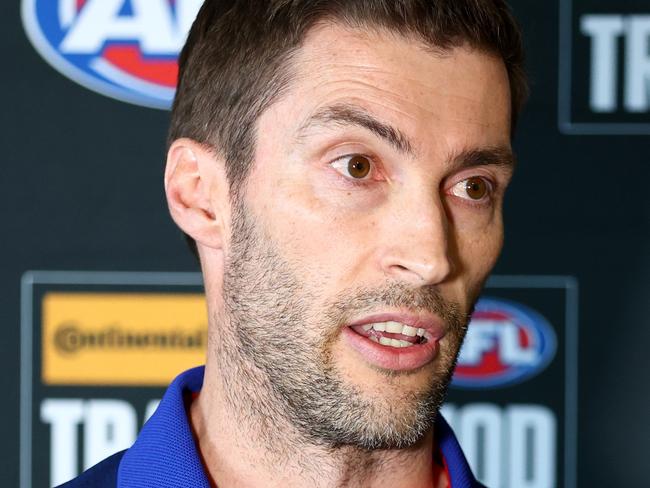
375 198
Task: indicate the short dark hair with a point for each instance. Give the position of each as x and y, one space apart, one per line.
236 60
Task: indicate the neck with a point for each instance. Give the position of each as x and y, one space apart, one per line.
246 440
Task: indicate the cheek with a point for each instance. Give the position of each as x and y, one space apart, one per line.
477 241
322 235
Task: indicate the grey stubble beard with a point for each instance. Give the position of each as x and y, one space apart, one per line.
273 375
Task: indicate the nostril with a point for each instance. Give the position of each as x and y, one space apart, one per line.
419 273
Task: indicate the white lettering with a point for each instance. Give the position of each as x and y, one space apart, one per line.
63 415
637 64
532 446
513 447
480 430
186 12
448 411
151 24
604 31
484 335
480 339
110 426
510 350
67 12
151 408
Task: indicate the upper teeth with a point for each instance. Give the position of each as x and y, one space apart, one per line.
395 328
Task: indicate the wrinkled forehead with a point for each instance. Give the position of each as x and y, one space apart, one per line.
399 79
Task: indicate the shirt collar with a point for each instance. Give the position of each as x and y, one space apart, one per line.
165 454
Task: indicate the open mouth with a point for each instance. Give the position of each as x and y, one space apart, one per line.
396 341
392 334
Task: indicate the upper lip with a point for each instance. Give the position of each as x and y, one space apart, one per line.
431 323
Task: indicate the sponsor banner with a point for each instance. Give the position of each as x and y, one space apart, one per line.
124 49
604 67
513 399
99 348
121 338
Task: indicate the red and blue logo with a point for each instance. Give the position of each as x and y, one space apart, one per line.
506 343
124 49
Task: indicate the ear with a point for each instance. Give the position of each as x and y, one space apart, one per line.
197 191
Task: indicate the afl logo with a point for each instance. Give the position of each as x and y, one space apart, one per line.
124 49
506 343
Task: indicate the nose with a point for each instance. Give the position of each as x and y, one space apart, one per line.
417 248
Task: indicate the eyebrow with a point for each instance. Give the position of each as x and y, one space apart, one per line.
346 115
488 156
354 115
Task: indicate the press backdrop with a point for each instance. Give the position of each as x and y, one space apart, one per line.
81 198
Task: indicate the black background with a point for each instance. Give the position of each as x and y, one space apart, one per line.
81 189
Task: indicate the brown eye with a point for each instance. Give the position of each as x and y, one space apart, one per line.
476 188
359 167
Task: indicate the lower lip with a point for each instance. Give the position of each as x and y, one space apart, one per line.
393 358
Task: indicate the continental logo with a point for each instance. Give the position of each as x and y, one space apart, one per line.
72 338
143 339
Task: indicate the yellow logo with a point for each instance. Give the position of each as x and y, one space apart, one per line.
143 339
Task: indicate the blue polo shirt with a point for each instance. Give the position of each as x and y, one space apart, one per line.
165 454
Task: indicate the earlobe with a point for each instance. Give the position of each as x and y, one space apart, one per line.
193 182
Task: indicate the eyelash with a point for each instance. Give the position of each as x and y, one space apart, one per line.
359 183
356 182
485 201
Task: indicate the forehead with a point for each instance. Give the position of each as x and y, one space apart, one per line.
455 97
